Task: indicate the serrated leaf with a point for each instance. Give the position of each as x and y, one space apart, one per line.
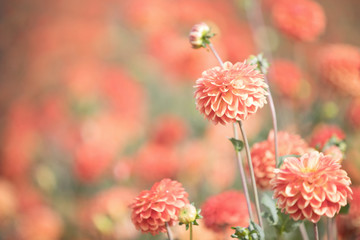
272 213
259 230
345 209
238 144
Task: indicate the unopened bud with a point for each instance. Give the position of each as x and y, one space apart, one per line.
187 214
199 35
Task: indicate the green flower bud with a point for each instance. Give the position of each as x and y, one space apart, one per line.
187 214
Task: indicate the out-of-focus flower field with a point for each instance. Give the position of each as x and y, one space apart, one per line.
97 104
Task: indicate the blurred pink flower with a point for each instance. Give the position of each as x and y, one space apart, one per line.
311 186
322 134
263 155
231 93
153 208
225 210
108 213
39 223
353 113
154 162
349 224
302 20
169 130
334 152
339 64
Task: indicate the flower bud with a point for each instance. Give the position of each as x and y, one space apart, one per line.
335 153
199 35
187 214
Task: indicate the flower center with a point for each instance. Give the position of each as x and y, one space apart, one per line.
308 170
237 83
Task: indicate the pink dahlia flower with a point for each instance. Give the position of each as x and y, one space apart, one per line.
157 206
349 224
231 93
322 134
225 210
353 113
339 64
302 20
311 186
263 155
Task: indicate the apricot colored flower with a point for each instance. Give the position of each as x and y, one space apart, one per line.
311 186
302 20
263 155
157 206
349 224
353 113
334 152
322 134
225 210
339 64
231 93
289 80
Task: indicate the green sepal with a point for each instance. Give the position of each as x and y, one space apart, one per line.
345 209
238 144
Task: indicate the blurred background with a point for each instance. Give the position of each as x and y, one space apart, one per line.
96 102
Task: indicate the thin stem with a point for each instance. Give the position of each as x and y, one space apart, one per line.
316 231
274 120
331 229
238 155
256 20
253 182
303 232
169 233
215 53
242 175
191 231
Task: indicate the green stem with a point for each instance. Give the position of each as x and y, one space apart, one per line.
316 231
252 176
169 233
191 231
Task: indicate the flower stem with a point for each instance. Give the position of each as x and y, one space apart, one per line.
256 20
252 176
238 155
191 231
215 53
303 232
242 175
331 229
169 233
274 120
316 231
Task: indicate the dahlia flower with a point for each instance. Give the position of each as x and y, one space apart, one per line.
311 186
322 134
153 208
353 114
302 20
339 64
349 224
231 93
225 210
263 155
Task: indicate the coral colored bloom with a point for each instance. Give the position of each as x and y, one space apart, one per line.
349 224
157 206
322 134
311 186
302 20
169 130
225 210
334 152
263 155
339 64
231 93
353 114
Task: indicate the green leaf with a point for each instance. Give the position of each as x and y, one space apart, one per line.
282 158
345 209
287 224
259 230
271 214
238 144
